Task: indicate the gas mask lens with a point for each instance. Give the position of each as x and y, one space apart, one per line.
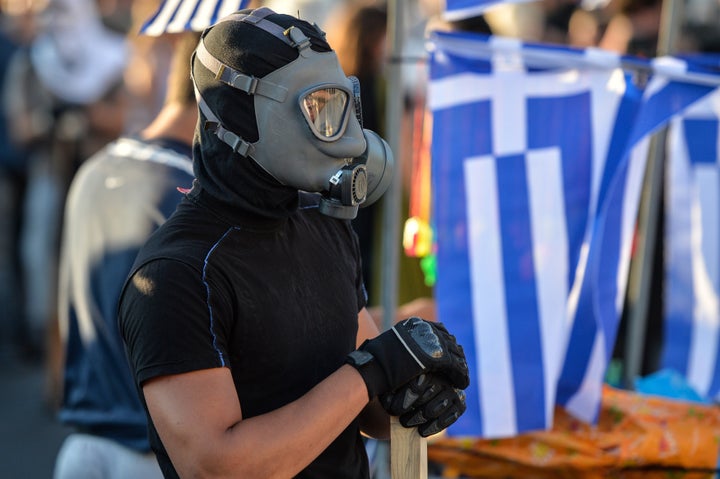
325 110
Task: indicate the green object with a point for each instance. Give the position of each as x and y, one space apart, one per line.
428 264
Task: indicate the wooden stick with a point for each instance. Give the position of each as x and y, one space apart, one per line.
408 452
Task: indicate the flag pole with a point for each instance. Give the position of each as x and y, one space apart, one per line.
641 271
408 452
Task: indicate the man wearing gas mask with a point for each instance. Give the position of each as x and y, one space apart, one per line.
244 315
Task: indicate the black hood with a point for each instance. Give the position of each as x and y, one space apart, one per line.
237 183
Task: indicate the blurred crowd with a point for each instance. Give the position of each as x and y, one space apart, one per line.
74 75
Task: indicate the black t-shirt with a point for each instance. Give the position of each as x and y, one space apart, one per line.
274 300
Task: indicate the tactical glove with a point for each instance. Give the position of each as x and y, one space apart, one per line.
429 402
408 349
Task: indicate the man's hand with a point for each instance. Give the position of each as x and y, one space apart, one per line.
429 402
410 348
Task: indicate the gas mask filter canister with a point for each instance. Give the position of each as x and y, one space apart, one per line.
362 182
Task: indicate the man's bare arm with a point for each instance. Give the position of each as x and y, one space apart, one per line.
199 420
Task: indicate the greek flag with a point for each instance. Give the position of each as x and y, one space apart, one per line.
692 245
175 16
538 156
674 85
527 148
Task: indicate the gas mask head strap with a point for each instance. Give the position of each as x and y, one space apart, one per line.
251 85
228 75
293 36
238 145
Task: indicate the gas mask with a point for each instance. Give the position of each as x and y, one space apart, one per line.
310 132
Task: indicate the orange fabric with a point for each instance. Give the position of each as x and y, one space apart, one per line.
417 233
637 437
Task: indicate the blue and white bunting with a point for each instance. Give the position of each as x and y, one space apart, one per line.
175 16
692 245
461 9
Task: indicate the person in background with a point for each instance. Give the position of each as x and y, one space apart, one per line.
244 315
633 27
117 199
16 30
62 92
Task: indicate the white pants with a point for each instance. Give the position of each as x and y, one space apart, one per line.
83 456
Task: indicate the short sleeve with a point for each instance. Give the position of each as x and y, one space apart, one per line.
169 321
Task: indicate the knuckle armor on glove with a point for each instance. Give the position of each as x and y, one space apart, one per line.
427 402
408 349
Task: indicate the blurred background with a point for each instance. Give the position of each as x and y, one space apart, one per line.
75 74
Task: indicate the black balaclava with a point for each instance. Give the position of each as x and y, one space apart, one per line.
232 182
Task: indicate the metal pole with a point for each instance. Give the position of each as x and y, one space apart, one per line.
640 275
671 21
393 197
408 450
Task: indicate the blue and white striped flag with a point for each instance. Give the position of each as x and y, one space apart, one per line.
692 239
527 143
674 85
175 16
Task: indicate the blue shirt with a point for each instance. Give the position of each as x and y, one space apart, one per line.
117 199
